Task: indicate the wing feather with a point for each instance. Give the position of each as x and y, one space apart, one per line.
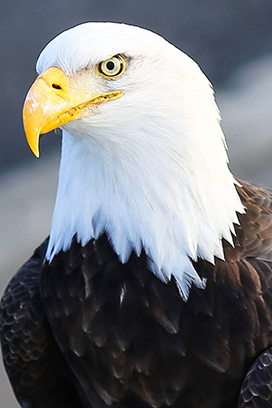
33 361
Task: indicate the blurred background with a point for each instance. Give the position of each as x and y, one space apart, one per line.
231 41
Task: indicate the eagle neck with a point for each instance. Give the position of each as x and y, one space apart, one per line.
147 200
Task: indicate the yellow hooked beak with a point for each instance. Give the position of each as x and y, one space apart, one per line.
55 99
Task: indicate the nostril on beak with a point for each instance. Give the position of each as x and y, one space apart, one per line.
56 86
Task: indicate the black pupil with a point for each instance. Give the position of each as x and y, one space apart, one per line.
110 65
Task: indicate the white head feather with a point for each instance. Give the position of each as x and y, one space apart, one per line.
150 168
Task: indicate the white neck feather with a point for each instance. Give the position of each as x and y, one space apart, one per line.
162 187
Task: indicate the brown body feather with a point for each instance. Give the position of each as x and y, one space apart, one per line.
114 334
254 234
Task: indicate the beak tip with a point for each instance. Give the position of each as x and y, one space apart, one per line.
35 150
32 137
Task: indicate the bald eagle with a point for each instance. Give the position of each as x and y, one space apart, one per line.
153 288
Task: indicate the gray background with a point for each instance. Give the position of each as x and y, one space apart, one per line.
232 42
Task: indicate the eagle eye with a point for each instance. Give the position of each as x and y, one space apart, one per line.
112 67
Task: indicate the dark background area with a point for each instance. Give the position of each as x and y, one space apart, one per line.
220 35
